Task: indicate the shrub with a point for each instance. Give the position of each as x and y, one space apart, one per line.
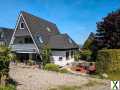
63 70
7 87
51 67
108 61
77 56
86 54
46 53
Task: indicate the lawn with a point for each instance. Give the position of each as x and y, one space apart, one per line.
8 87
114 76
91 83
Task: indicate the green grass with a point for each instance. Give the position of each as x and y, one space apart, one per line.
91 83
64 87
8 87
114 76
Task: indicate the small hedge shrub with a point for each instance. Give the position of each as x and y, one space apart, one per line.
8 87
63 71
86 55
51 67
108 61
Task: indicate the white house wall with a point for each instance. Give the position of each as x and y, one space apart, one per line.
64 61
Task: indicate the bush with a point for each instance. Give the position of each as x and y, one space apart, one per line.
51 67
64 71
77 56
7 87
86 55
108 61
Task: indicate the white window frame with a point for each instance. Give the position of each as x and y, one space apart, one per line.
23 25
40 39
48 29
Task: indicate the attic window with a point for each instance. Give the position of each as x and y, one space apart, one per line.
22 25
40 39
48 29
70 41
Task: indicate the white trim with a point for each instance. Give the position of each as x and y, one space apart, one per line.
12 39
30 33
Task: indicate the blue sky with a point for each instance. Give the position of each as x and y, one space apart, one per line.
76 17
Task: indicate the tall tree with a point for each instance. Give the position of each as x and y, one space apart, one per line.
108 31
89 42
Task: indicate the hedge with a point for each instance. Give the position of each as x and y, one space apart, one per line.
51 67
108 60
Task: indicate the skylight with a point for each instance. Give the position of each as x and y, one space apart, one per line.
48 29
40 39
70 41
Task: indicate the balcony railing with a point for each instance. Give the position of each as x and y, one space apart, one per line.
23 47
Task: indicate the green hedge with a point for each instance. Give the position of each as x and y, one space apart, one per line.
51 67
86 54
108 60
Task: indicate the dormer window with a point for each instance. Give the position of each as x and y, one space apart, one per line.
40 39
22 25
48 29
70 41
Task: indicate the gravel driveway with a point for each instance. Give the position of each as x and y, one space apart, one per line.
29 78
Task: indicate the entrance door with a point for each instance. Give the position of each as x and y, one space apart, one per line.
23 56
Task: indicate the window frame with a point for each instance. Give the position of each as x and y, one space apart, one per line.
21 25
40 39
48 29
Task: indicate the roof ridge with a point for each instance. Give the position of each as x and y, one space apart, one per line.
35 16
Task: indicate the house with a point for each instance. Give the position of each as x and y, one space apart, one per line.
5 36
32 33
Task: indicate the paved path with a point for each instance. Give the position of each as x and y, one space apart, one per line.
30 78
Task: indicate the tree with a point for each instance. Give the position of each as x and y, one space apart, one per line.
89 42
5 57
46 53
108 31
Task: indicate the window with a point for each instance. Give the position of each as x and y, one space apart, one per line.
28 40
70 41
48 29
67 55
40 39
21 25
60 58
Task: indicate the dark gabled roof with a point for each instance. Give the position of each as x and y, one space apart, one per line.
7 34
38 27
62 41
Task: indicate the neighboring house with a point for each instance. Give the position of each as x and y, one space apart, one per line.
5 36
32 33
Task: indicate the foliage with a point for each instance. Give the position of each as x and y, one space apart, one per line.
30 62
77 55
46 53
114 75
8 87
108 31
108 61
51 67
66 87
5 57
63 70
89 42
86 54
